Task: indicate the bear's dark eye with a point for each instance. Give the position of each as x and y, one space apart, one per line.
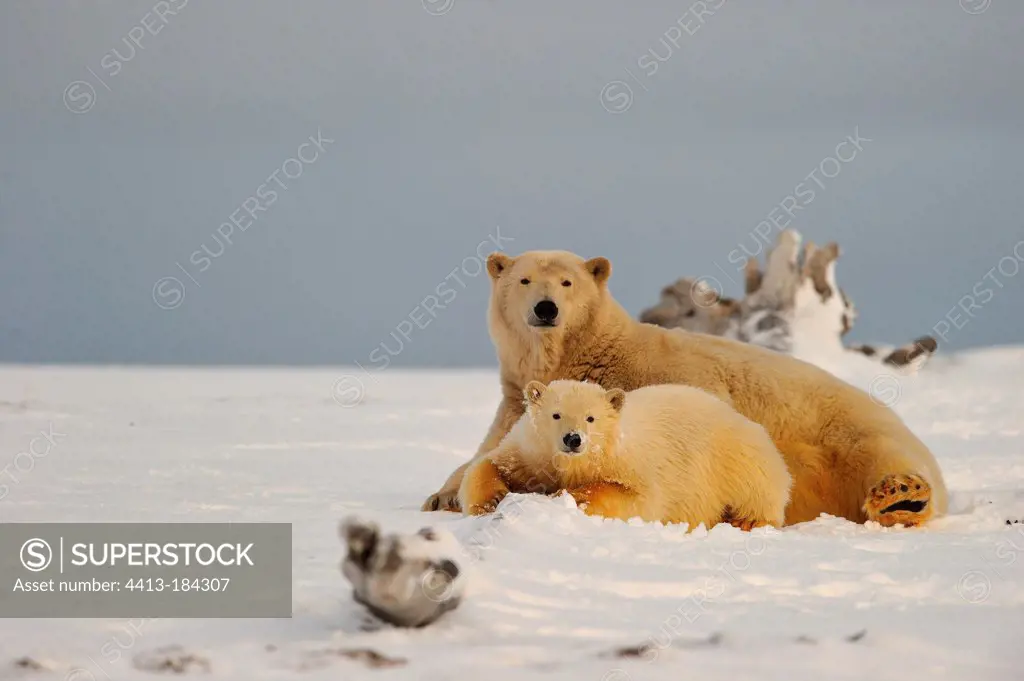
690 313
590 419
566 283
556 416
524 281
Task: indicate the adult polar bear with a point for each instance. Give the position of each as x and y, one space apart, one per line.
552 317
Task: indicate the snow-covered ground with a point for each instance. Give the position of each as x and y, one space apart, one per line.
554 593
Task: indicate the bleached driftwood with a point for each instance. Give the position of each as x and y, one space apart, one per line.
793 306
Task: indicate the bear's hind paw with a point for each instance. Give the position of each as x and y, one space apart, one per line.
899 499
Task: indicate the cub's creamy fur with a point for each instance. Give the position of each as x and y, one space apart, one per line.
848 455
667 453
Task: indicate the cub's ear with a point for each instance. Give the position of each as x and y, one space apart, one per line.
534 391
616 398
498 263
599 268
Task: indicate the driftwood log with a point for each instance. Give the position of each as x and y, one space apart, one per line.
793 306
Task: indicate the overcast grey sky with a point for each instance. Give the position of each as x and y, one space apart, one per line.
442 122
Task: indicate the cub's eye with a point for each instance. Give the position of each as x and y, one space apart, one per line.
690 313
590 419
566 283
556 416
524 281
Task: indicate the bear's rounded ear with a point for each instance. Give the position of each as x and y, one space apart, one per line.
498 263
534 391
616 398
599 268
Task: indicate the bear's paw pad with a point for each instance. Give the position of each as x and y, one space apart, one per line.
899 499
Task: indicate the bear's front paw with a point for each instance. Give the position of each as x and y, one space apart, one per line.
581 495
607 499
730 516
488 506
445 500
899 499
746 524
482 488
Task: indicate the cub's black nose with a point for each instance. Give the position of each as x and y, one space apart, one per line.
546 310
572 441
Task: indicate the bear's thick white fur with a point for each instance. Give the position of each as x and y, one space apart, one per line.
667 453
849 456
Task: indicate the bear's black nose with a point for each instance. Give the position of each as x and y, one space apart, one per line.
546 310
572 441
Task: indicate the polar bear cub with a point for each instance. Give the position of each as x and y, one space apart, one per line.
667 453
